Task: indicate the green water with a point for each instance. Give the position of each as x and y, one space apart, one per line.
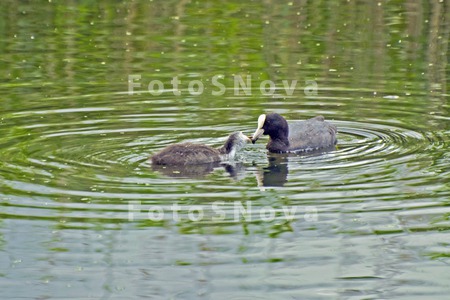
85 215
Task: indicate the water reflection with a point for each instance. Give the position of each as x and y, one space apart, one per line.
276 173
199 170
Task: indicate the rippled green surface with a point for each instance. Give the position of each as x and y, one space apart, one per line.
370 220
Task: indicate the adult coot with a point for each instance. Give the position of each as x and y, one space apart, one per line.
193 154
309 135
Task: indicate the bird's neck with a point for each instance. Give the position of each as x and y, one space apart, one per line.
280 144
227 148
227 152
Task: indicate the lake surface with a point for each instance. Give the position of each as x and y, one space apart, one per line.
90 90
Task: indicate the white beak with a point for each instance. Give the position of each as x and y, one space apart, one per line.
259 131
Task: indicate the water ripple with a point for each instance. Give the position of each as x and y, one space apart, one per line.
99 160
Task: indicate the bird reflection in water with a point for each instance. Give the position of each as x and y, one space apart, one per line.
234 169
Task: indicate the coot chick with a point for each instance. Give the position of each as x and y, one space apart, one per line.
193 154
301 136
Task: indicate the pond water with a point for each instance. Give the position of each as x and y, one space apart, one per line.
88 95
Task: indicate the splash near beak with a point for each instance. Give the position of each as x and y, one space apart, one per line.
259 131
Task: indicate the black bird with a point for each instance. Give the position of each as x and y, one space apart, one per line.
300 136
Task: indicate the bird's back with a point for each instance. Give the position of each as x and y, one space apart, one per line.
186 154
312 134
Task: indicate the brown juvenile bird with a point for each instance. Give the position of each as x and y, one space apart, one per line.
193 154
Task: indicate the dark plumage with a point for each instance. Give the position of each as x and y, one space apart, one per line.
308 135
192 154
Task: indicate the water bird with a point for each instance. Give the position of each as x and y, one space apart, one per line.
300 136
195 154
